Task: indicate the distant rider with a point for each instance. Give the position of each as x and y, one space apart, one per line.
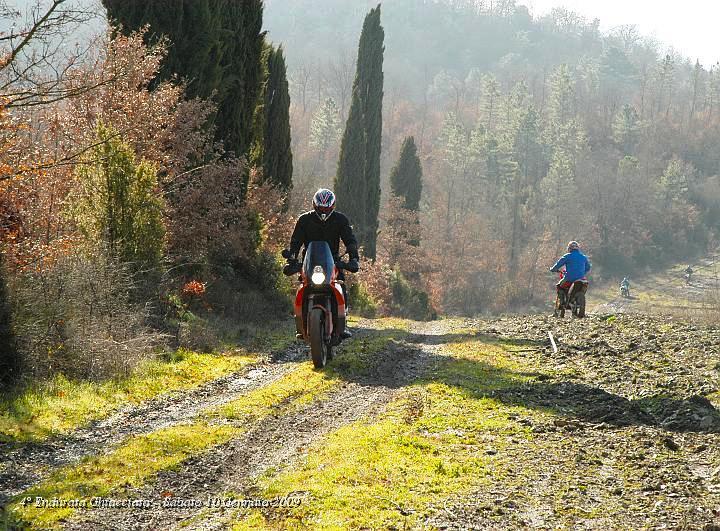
625 286
689 273
324 223
576 264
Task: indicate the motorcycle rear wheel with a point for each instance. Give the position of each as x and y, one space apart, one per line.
318 345
579 306
560 306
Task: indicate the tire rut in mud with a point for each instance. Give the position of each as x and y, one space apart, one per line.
274 443
29 464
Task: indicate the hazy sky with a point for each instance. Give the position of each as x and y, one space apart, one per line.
689 26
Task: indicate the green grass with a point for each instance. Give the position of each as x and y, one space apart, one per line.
61 405
139 458
305 384
431 444
128 466
714 398
289 393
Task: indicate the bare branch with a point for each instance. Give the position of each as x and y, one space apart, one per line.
37 26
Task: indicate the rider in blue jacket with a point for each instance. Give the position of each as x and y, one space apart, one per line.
576 264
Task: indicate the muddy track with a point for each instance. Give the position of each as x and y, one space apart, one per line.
622 393
27 465
274 443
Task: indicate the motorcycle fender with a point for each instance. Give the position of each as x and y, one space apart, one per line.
328 317
299 317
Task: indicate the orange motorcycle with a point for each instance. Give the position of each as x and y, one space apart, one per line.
320 310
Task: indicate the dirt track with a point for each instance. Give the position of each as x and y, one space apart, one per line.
622 391
274 442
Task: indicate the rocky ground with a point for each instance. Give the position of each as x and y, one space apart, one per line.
619 429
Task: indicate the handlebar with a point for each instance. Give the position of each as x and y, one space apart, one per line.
294 266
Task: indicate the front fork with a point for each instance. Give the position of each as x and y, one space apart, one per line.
302 309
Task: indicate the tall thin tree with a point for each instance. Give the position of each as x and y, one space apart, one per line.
406 176
273 150
9 362
358 178
215 46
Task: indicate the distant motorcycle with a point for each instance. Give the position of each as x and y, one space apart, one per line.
320 311
625 291
572 298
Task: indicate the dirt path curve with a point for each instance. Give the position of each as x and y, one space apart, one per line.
29 464
658 291
275 442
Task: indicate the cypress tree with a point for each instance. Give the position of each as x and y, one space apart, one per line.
243 41
406 176
358 178
215 46
193 30
273 149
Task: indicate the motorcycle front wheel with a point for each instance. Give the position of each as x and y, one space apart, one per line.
316 331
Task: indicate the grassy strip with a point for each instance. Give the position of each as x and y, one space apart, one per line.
141 457
442 437
61 405
128 466
289 393
304 385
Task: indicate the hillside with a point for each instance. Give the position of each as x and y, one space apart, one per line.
150 181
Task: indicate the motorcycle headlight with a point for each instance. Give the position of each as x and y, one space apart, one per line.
318 276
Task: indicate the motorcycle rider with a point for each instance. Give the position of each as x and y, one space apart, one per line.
577 266
324 223
689 273
625 286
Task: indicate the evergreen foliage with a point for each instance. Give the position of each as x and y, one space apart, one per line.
117 202
325 127
195 59
273 150
215 46
409 301
242 40
406 176
358 178
627 129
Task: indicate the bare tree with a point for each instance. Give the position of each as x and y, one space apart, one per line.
36 64
340 77
300 80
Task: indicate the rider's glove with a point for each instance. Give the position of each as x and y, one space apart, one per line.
293 267
353 265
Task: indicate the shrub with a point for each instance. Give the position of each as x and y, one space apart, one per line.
117 202
409 301
75 317
361 302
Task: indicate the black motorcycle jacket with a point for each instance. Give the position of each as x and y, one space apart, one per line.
310 228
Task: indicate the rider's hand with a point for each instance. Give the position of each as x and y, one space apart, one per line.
293 267
353 265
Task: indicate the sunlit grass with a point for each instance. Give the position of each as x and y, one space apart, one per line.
305 384
61 405
291 392
128 466
440 438
139 458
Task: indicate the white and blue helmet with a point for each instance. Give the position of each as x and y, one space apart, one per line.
324 203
